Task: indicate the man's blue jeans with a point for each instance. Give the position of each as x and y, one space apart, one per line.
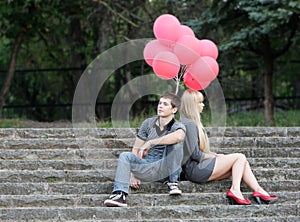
150 168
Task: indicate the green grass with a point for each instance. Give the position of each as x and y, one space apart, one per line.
133 122
288 118
11 123
252 118
257 118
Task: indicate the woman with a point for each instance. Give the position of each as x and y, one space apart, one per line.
200 165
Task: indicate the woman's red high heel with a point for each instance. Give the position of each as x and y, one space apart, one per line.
235 200
259 197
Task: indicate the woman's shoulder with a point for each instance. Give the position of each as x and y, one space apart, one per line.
188 122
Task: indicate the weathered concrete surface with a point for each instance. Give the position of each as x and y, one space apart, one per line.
65 174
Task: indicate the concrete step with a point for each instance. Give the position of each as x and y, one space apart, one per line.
105 164
151 212
293 152
253 131
250 152
100 175
82 188
57 133
65 143
255 142
95 153
58 154
87 143
66 174
238 219
64 133
96 200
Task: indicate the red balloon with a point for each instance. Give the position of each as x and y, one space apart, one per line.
186 49
204 69
152 48
166 65
166 27
192 83
207 48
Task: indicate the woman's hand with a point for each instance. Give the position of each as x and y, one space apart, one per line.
212 155
216 154
219 154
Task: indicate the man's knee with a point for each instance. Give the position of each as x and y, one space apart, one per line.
125 156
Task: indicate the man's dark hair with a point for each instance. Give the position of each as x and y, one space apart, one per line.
175 100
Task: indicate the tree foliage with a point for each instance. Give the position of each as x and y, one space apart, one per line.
46 44
254 34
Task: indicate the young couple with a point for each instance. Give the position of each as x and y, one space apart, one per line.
164 147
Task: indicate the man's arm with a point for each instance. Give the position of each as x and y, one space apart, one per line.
137 145
171 138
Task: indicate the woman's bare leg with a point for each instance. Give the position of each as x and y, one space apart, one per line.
234 163
225 176
250 180
224 169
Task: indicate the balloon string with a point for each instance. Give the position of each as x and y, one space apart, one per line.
179 77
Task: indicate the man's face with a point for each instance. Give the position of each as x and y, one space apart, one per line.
164 108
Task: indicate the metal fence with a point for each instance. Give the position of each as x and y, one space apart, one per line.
233 105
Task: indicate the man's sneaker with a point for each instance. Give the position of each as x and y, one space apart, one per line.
116 200
174 189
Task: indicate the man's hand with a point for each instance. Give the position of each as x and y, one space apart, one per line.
144 149
134 182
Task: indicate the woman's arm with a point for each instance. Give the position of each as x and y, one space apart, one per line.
209 155
192 141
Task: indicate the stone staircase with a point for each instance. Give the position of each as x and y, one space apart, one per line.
66 174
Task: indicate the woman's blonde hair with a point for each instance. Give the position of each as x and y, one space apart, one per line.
189 109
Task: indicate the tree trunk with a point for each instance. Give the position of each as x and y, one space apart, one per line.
269 99
77 57
268 82
296 93
102 30
11 70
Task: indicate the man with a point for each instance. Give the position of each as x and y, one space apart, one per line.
156 154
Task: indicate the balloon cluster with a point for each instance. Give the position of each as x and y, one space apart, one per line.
177 53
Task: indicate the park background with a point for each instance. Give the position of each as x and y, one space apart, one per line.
45 46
